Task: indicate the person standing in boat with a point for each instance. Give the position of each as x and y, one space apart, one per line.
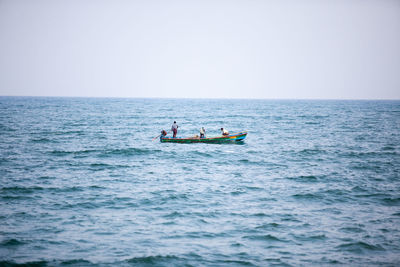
174 129
224 131
202 132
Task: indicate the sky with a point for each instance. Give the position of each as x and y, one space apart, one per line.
283 49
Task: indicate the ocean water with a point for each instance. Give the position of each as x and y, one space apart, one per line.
83 184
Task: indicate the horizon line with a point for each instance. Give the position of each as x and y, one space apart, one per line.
206 98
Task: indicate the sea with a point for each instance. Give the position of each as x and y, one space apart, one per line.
83 183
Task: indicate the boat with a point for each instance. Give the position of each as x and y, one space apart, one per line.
231 138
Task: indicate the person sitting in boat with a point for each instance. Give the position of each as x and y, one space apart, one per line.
224 131
174 129
163 133
202 132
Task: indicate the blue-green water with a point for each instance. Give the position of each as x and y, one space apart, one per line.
315 183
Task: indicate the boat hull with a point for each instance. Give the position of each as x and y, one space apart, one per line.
232 138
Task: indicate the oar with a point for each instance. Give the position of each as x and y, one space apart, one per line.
156 137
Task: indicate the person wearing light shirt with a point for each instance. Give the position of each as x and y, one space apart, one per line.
202 132
224 132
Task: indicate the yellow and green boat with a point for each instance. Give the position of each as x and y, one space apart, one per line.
231 138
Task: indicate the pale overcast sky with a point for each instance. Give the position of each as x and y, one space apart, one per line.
342 49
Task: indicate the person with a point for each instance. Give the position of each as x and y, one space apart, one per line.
202 132
174 129
224 132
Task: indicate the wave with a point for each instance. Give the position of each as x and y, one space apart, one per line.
236 263
104 166
78 152
81 205
71 132
72 263
106 152
250 162
384 198
20 190
304 178
173 215
391 201
307 196
326 196
157 260
167 260
359 247
269 226
41 140
260 214
313 117
254 188
312 152
369 154
203 154
313 122
23 191
358 189
268 237
11 243
388 148
128 152
310 238
30 264
352 229
6 128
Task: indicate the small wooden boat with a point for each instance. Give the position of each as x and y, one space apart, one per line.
232 138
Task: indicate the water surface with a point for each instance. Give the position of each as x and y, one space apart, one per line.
315 183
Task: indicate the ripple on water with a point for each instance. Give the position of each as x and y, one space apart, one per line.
10 243
168 260
270 226
359 247
267 238
305 178
132 151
